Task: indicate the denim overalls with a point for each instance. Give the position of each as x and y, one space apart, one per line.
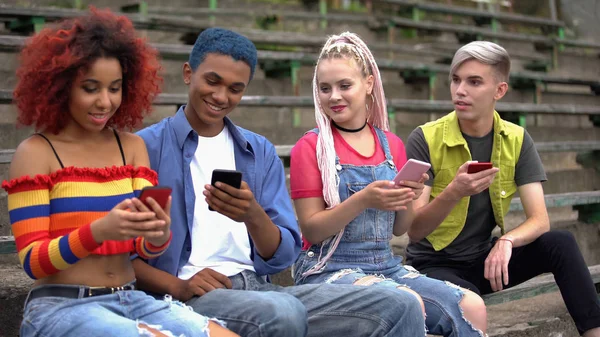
365 250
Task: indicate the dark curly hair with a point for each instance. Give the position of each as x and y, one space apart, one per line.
52 59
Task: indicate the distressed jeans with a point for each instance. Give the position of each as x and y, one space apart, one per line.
444 316
116 314
255 307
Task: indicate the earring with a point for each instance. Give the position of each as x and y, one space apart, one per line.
367 106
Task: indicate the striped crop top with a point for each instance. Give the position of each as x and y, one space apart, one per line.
51 215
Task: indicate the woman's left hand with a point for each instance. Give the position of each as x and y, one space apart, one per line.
416 186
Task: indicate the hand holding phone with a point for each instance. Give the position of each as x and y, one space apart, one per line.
230 177
412 171
160 232
159 193
479 166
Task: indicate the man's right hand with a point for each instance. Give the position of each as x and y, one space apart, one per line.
201 283
467 184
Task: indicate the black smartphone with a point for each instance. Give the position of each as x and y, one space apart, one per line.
230 177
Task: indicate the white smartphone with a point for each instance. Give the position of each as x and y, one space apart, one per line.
412 171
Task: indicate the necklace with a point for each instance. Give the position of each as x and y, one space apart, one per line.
348 130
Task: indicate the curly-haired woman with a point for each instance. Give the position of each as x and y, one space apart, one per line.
72 188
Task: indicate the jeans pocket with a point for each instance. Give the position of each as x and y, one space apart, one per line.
40 309
299 267
358 230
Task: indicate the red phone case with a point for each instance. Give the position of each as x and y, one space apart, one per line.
478 167
159 193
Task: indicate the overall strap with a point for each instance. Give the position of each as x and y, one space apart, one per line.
386 146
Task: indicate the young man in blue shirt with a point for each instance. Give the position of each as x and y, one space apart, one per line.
218 260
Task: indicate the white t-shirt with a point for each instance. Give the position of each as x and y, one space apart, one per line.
218 242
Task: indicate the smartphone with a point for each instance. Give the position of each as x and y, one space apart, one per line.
159 193
412 171
230 177
478 167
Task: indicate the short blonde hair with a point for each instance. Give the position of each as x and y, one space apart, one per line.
485 52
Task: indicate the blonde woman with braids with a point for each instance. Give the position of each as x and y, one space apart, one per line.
348 207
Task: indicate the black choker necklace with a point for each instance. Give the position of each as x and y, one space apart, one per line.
348 130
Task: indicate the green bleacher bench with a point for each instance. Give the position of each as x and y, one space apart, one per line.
177 23
193 24
5 158
464 11
394 105
450 48
522 78
283 151
7 245
398 104
479 32
371 21
368 20
5 96
553 31
249 13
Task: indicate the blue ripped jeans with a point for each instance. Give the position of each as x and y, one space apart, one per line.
444 316
256 308
364 250
116 314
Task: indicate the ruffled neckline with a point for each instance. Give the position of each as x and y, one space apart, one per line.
93 172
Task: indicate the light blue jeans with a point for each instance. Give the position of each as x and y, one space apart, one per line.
116 314
255 307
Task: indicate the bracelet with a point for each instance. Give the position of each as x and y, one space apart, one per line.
509 240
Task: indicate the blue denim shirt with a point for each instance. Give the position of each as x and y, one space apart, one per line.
172 144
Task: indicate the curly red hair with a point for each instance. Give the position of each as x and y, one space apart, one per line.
52 59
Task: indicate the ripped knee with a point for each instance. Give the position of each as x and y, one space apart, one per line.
472 302
474 310
368 280
338 275
415 294
151 331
